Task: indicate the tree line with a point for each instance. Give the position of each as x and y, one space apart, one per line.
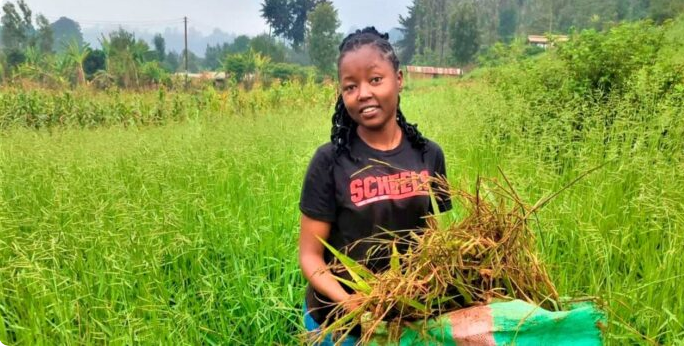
301 42
447 32
55 54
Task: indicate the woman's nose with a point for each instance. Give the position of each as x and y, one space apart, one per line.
364 92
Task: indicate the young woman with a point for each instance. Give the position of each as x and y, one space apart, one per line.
368 178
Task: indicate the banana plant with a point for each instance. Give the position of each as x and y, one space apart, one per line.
77 54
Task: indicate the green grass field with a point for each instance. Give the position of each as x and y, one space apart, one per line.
186 232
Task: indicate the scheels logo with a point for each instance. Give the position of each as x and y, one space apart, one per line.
405 184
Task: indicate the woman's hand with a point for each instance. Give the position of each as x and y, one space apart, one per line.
352 303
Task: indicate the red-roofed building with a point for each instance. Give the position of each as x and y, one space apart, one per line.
432 72
543 41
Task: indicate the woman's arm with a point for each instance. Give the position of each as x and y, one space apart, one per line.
313 265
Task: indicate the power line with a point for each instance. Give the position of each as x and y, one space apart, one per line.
130 22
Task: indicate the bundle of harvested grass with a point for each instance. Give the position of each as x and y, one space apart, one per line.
489 254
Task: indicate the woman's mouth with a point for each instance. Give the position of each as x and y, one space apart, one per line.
369 112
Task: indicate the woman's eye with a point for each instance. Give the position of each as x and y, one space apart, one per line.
376 80
349 87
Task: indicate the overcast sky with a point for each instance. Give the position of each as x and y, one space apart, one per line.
231 16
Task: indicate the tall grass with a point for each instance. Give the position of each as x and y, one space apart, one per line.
182 234
186 233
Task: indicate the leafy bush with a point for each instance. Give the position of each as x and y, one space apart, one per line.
288 71
500 53
238 65
622 89
604 61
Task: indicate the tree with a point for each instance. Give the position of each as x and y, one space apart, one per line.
14 58
277 15
464 33
94 62
214 54
65 31
238 65
14 30
508 21
44 35
300 12
78 54
240 44
660 10
172 61
432 31
142 53
267 46
288 18
121 62
159 47
322 38
407 45
152 73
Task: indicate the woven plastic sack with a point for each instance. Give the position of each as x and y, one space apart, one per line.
503 323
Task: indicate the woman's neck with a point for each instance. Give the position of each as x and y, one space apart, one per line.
385 139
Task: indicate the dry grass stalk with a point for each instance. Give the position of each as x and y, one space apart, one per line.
489 254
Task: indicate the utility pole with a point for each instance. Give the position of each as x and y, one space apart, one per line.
185 21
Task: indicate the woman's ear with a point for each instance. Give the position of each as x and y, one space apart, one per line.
400 79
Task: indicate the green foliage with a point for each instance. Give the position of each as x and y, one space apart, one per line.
240 44
172 62
267 46
153 248
215 54
600 84
152 73
501 54
238 65
322 38
432 31
3 63
77 55
186 232
44 36
159 47
407 45
288 71
121 62
38 108
464 34
604 61
15 28
94 62
19 32
125 57
427 58
508 22
288 18
425 27
278 15
661 10
14 58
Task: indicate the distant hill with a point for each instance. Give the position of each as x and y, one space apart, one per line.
197 41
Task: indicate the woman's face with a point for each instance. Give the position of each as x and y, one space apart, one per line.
370 87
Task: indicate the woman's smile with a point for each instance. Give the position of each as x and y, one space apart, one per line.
370 112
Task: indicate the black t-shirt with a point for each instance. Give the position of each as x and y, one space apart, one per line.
379 190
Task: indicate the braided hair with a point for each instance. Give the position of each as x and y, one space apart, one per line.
343 127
